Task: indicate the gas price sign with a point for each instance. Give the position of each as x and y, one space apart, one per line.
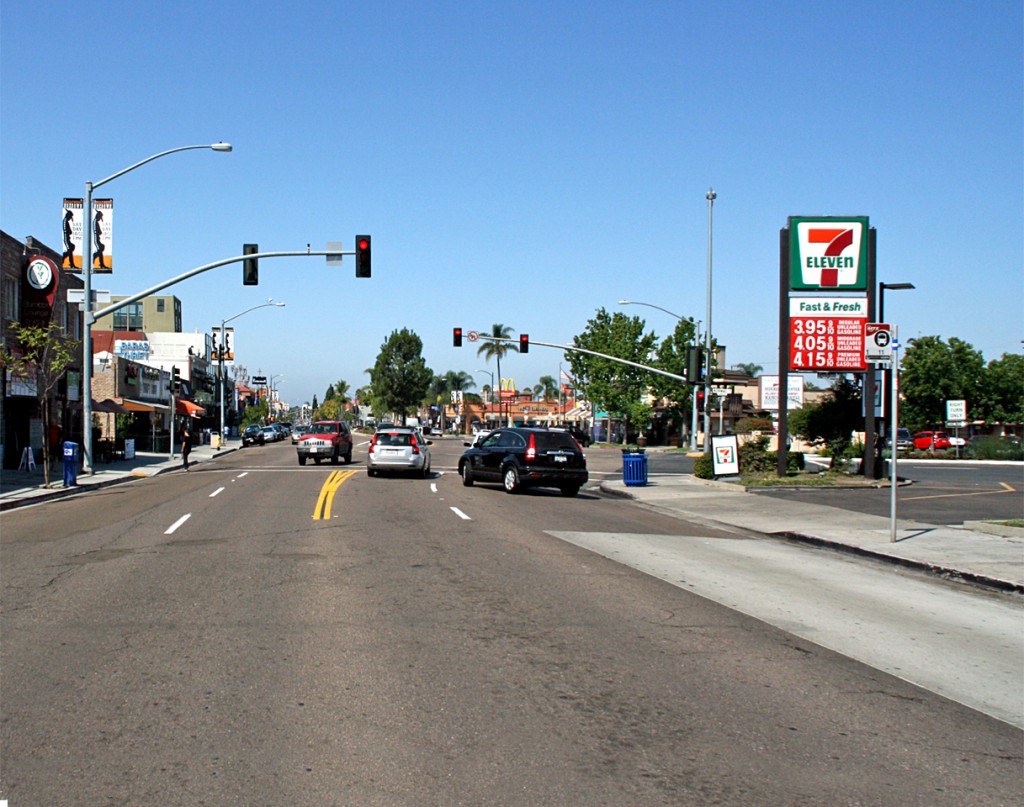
826 334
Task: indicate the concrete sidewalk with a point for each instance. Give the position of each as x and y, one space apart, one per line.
21 488
976 552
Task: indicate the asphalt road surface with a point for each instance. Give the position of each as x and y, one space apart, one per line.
253 632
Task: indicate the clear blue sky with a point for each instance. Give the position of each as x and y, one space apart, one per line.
523 163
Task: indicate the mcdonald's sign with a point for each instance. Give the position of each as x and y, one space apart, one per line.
508 388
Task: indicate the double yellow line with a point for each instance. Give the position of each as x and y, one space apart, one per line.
334 481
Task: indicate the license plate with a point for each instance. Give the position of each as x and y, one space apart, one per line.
561 458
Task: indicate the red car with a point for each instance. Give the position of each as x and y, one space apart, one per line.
931 440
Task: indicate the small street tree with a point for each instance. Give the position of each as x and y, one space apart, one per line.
46 353
933 372
1002 391
400 378
617 386
833 420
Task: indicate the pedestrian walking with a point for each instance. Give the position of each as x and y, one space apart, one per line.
186 445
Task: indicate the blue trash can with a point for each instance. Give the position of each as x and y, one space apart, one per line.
70 464
634 470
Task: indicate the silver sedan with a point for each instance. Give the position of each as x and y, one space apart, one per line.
399 448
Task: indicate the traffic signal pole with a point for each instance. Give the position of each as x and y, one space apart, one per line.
573 349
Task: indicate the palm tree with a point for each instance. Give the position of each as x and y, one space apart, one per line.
547 389
496 350
751 369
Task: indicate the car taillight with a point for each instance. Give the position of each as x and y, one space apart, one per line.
415 447
531 448
373 442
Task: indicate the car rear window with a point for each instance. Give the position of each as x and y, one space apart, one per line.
393 439
550 441
323 428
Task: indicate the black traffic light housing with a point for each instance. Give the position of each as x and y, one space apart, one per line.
362 256
175 379
250 266
457 337
524 343
694 365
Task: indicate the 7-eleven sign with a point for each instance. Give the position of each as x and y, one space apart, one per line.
828 253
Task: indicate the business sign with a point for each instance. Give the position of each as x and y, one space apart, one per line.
259 380
133 349
507 390
725 453
826 334
768 387
828 253
878 343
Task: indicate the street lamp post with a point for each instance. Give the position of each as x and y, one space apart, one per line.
696 339
87 256
490 395
271 390
220 357
711 196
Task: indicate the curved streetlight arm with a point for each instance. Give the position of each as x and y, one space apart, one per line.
123 171
87 257
651 305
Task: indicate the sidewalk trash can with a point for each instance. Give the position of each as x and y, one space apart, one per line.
634 470
70 464
215 440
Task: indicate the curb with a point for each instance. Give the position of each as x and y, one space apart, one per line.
810 540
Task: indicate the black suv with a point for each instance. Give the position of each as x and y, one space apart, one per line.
253 435
521 458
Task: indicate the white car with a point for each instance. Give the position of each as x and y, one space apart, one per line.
399 448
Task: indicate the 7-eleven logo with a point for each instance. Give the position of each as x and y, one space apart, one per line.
829 254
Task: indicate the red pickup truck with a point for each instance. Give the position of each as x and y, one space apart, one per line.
325 439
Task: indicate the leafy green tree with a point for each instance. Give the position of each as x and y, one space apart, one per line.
617 386
329 395
671 357
1002 391
47 352
341 389
833 420
256 413
400 377
933 372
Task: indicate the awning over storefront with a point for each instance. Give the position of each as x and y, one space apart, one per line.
184 407
109 407
140 406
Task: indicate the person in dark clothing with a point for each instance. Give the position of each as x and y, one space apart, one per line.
186 445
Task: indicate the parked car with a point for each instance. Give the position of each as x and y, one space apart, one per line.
522 458
253 435
904 440
581 435
399 448
924 441
271 434
478 438
297 431
326 439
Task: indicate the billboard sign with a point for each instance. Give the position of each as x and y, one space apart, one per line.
826 334
828 253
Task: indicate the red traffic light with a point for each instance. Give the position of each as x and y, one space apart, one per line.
362 256
524 343
457 337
